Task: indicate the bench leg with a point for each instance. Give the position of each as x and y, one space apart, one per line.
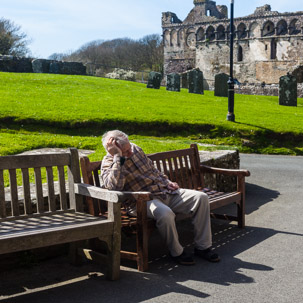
241 215
142 234
113 266
114 245
142 250
75 257
241 206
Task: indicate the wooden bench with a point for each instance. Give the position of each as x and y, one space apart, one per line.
182 166
28 224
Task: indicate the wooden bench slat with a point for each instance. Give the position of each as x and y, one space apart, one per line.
32 161
39 190
62 188
182 172
177 170
14 192
171 169
187 173
158 165
224 200
26 192
50 188
165 169
2 196
96 178
193 173
170 154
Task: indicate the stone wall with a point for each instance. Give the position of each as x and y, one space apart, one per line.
28 65
222 159
58 67
15 64
267 90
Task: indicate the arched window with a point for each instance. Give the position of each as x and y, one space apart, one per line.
294 27
200 34
210 33
254 30
220 32
273 49
282 28
240 53
242 33
268 29
228 32
166 36
173 38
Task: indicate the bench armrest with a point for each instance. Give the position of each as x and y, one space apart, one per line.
108 195
224 171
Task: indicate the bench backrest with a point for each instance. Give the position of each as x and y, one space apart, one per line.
53 166
181 166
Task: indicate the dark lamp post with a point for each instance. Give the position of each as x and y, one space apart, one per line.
231 85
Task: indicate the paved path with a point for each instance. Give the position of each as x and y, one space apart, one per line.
262 263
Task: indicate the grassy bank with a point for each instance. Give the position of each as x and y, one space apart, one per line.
41 110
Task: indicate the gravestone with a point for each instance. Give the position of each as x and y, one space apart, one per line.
195 82
184 80
221 86
288 90
154 80
173 82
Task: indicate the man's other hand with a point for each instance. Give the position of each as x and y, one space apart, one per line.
172 186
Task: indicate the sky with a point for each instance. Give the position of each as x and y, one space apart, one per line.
63 26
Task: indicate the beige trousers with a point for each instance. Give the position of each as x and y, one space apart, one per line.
188 202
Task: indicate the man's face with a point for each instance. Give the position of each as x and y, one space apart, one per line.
127 150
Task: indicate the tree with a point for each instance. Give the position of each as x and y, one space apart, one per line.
57 56
12 40
153 51
126 53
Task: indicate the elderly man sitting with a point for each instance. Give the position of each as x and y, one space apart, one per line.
127 168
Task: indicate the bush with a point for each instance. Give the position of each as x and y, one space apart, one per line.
122 74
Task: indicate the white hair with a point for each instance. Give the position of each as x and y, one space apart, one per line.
120 137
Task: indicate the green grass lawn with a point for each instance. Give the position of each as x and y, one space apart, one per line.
42 110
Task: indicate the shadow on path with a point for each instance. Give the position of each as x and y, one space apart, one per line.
59 281
256 196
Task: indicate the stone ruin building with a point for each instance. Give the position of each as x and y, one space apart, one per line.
267 44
